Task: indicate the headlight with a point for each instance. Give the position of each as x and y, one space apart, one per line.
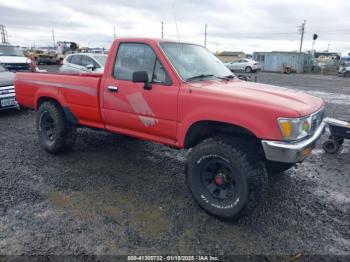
294 128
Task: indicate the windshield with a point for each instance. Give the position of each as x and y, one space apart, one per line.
7 50
2 69
101 59
194 62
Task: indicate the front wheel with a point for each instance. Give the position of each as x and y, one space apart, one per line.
331 146
225 179
55 133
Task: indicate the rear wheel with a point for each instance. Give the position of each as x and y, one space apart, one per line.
248 69
225 178
55 133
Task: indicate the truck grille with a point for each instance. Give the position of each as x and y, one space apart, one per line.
316 120
18 67
7 91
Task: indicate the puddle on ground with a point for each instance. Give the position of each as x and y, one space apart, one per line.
149 220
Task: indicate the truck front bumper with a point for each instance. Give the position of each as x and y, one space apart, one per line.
289 152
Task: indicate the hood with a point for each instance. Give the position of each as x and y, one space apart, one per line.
6 78
264 95
14 60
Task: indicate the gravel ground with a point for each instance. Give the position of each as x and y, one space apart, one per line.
114 195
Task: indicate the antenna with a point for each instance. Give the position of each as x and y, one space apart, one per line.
177 29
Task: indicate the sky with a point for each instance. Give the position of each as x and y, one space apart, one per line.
232 25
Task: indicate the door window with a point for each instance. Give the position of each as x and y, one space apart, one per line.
76 60
159 75
69 58
133 57
86 60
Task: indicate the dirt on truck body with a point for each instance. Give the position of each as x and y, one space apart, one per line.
179 94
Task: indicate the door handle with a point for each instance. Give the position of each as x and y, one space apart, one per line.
113 89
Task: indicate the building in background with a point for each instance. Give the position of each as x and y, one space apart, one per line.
274 61
228 56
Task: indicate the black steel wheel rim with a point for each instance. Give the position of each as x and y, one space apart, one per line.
47 126
218 179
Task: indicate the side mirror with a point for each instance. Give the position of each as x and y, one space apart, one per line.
141 77
90 67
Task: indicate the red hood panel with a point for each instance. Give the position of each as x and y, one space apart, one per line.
279 97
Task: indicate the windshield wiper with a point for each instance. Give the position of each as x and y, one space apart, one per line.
198 77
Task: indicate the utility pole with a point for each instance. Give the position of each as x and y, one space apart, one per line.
314 38
162 29
53 38
3 33
302 31
205 35
114 34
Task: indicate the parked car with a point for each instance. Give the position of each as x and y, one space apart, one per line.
181 95
7 89
245 64
344 68
84 62
13 59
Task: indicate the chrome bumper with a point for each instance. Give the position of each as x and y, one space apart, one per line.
288 152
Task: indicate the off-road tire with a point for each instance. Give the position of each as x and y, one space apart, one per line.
277 167
64 133
249 174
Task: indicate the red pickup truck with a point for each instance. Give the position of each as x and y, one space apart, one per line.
181 95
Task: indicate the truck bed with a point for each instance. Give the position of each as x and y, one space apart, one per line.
77 92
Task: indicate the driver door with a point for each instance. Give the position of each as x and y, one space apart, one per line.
128 107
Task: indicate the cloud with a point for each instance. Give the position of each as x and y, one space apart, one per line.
232 25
